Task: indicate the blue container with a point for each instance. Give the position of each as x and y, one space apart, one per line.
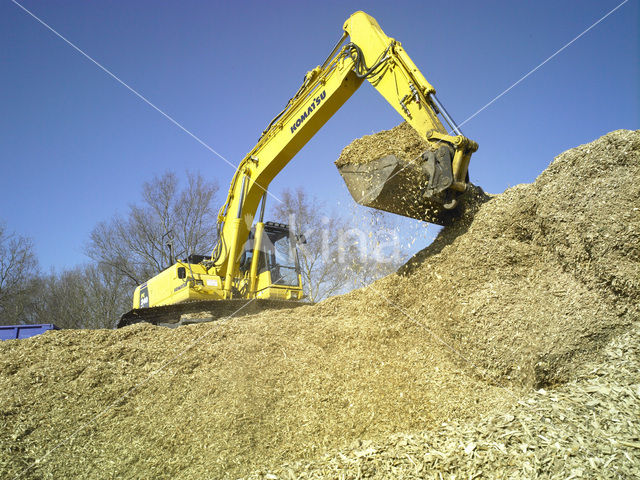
11 332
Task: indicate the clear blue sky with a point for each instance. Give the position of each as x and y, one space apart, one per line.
76 145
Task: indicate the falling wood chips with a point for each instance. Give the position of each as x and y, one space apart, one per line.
520 298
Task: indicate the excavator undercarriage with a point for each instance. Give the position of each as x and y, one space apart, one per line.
202 311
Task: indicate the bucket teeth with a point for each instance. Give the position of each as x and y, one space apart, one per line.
417 189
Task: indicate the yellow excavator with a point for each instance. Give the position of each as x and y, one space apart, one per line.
254 267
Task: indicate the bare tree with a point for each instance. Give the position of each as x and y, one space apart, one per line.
340 253
18 269
92 296
110 293
318 255
134 245
371 248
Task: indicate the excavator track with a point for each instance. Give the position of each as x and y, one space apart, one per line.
173 316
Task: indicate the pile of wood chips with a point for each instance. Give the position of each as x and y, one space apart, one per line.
587 428
430 369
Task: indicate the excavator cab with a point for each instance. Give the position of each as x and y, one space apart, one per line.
278 268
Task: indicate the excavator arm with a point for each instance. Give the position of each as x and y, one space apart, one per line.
364 52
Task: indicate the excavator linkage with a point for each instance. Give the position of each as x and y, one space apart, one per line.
419 189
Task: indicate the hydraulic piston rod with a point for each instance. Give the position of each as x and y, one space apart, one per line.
445 114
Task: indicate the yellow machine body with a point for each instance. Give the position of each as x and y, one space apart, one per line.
168 288
364 52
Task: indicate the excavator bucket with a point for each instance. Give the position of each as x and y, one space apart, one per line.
417 189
